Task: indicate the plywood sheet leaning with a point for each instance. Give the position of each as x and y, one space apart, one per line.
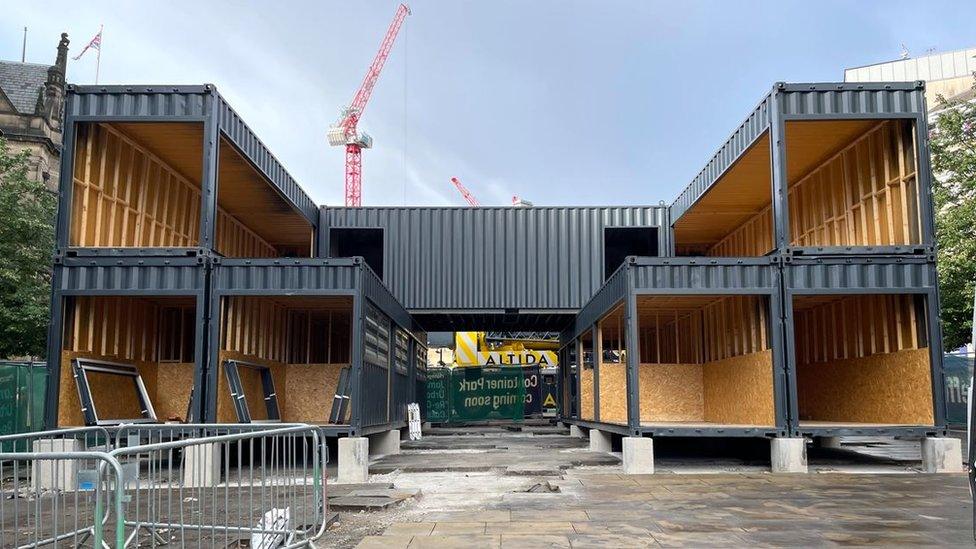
671 392
739 390
311 389
613 392
174 385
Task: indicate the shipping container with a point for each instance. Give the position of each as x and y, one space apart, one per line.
681 347
864 347
290 337
173 171
127 340
444 262
848 165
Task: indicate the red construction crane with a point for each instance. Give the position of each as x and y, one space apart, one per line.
344 131
472 201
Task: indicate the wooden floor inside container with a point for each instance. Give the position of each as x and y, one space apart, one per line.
853 424
702 425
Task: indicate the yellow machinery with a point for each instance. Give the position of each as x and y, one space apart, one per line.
504 349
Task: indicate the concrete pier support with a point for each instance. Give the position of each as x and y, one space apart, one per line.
638 455
575 431
201 465
386 443
788 455
941 455
55 474
353 460
600 441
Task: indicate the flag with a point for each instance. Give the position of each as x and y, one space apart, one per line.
95 44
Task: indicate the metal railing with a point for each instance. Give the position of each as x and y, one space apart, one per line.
172 485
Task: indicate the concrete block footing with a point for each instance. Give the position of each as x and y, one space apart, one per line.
353 460
55 474
600 441
638 455
201 465
788 455
575 431
941 455
386 443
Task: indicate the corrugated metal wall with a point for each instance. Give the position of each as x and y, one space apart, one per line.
493 258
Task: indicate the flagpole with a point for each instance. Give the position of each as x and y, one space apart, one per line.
98 60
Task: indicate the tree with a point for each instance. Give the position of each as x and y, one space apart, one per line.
27 212
953 144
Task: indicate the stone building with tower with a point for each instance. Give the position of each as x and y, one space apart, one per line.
31 111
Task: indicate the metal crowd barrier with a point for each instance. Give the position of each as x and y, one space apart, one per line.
165 485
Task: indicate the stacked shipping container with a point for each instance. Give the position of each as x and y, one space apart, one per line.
834 332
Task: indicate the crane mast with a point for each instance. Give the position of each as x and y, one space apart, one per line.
345 131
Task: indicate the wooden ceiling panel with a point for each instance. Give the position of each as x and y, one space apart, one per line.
809 144
741 193
178 144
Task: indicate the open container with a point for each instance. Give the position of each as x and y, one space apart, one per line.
173 171
126 342
815 169
683 347
318 341
864 346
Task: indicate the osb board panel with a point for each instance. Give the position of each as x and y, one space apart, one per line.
739 390
882 388
586 394
253 391
114 396
310 389
174 383
671 392
613 393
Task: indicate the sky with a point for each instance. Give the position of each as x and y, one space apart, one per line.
560 102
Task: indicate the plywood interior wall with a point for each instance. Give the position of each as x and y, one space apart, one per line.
125 330
705 359
304 341
587 394
865 194
124 195
863 358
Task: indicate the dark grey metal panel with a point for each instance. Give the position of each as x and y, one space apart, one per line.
138 101
493 258
131 276
611 294
741 139
285 276
260 156
706 275
375 396
380 295
836 100
859 275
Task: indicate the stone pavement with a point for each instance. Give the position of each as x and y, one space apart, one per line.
698 505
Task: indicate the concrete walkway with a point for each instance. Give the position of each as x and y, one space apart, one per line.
698 505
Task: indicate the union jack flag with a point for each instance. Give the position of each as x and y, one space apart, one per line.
95 44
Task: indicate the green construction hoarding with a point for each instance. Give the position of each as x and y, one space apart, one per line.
461 395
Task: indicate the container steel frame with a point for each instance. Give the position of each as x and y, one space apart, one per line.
643 276
187 104
124 277
316 278
861 275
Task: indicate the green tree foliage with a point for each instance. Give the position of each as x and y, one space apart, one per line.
27 212
953 144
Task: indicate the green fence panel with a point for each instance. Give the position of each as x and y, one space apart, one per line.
22 390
